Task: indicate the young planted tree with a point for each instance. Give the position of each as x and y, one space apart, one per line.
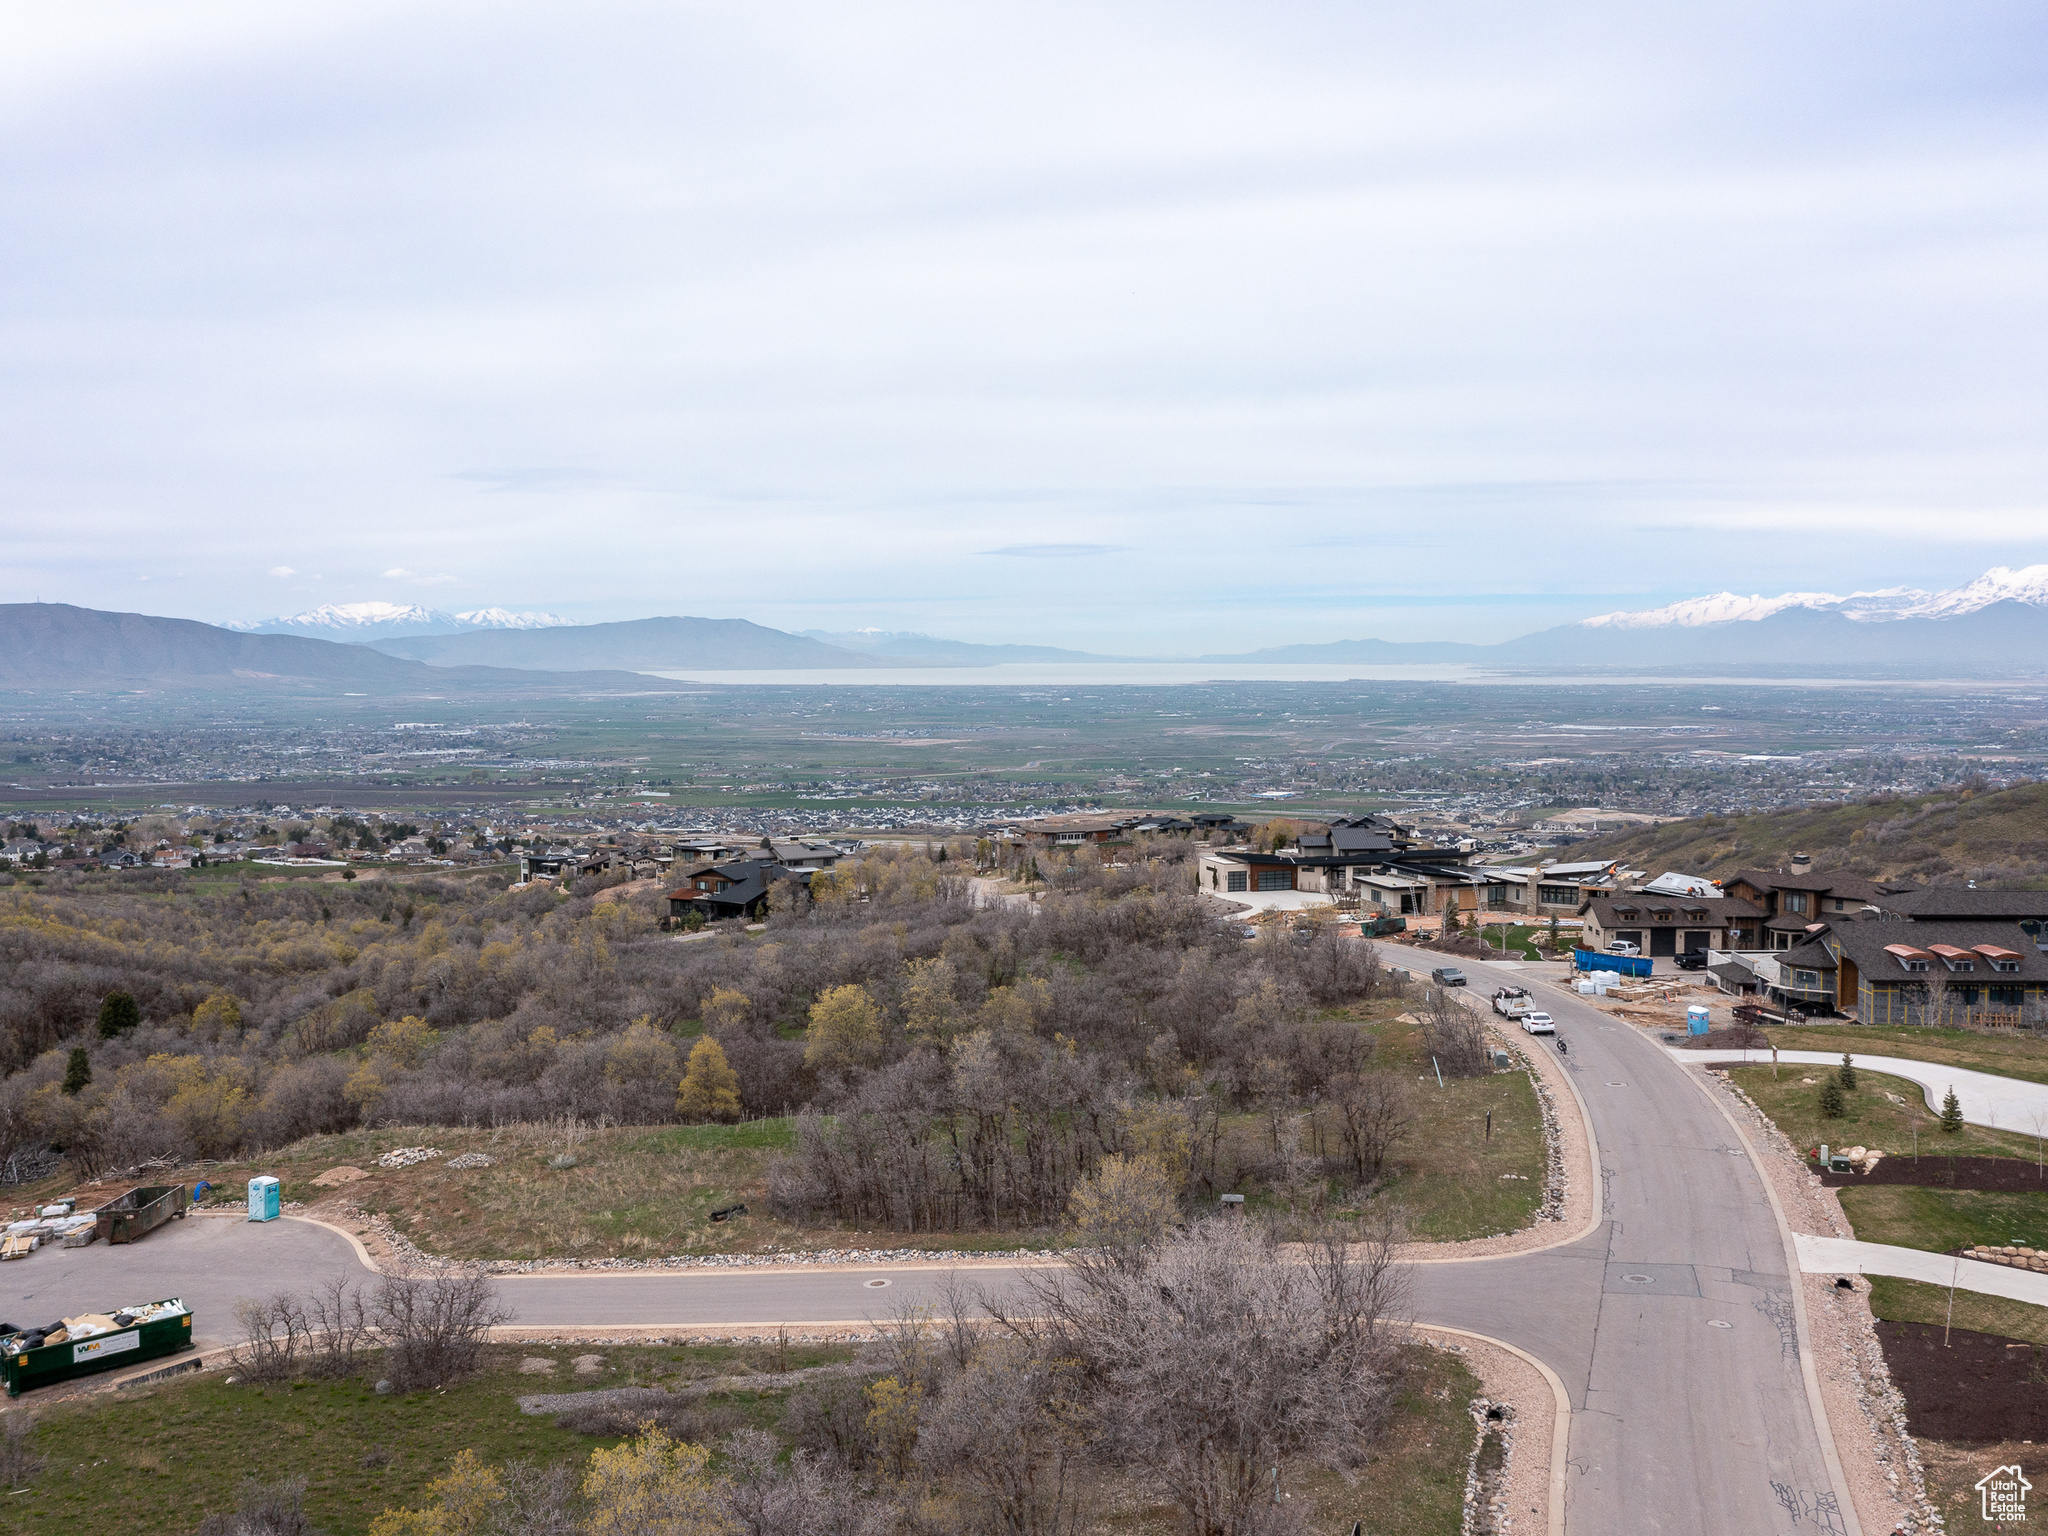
1951 1114
1847 1075
1831 1104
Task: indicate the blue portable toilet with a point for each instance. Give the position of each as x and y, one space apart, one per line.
1696 1019
263 1198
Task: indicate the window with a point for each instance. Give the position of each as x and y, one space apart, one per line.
1794 901
1841 905
1914 965
1558 895
1276 879
1962 965
1496 896
1235 880
1806 978
1967 996
2005 965
2010 997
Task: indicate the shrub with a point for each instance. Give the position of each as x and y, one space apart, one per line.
434 1330
1831 1104
710 1089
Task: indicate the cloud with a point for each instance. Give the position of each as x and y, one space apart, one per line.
414 578
1057 551
282 570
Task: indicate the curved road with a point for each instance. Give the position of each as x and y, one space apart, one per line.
1673 1325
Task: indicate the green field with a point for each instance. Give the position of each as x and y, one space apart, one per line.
1942 1220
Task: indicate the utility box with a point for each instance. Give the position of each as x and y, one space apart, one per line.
263 1198
1696 1022
1502 1061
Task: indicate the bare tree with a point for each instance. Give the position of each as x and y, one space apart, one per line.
264 1509
20 1461
434 1329
276 1338
1221 1358
999 1429
769 1500
339 1319
1454 1035
1371 1115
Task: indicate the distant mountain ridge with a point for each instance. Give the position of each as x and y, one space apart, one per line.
2000 584
55 646
637 645
929 650
362 622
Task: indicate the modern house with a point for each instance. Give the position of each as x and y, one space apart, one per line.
1794 900
1670 925
736 889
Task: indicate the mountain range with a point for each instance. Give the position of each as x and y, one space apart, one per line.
54 646
388 621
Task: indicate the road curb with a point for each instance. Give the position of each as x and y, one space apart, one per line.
1560 1417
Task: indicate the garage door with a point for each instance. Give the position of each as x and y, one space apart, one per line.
1697 940
1663 941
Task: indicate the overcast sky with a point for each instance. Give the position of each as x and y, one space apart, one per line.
1148 325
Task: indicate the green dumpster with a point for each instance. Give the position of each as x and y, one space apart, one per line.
141 1211
27 1361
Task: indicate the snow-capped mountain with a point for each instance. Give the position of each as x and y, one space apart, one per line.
359 622
2001 584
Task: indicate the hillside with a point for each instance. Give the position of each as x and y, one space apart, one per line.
1998 838
637 645
55 646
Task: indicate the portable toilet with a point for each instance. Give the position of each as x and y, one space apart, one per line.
263 1198
1696 1019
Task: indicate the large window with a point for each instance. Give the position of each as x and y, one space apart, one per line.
1276 879
1558 895
1794 901
1496 896
1235 880
2006 997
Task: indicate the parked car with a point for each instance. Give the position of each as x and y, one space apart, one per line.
1623 947
1692 960
1447 976
1538 1024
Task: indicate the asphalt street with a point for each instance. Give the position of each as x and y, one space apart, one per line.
1671 1325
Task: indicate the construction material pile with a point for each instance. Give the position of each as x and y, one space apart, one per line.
405 1157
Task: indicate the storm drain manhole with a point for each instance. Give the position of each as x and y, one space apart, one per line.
1638 1279
875 1285
1715 1322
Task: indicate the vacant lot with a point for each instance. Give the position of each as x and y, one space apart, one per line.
156 1462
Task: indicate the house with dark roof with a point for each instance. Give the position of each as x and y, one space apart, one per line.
1670 925
1965 903
735 889
1794 900
1949 973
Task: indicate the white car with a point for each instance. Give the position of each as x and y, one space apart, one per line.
1538 1024
1623 947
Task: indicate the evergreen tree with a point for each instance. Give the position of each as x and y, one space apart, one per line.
78 1073
1951 1114
1847 1076
1831 1100
119 1014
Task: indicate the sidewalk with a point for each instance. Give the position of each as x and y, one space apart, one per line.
2001 1103
1846 1256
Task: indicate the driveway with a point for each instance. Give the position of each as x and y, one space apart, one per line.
2000 1103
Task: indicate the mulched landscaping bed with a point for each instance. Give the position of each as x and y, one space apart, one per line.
1934 1172
1981 1388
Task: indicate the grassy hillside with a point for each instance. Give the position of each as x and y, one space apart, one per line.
1997 838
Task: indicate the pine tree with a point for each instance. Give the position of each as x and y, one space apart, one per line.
1831 1100
119 1014
1847 1076
1951 1114
78 1073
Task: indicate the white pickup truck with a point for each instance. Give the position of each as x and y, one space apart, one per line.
1512 1002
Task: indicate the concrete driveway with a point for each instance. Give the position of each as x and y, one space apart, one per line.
2000 1103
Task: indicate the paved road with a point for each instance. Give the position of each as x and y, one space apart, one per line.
1671 1325
2003 1103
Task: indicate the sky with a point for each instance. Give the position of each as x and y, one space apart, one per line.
1194 326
